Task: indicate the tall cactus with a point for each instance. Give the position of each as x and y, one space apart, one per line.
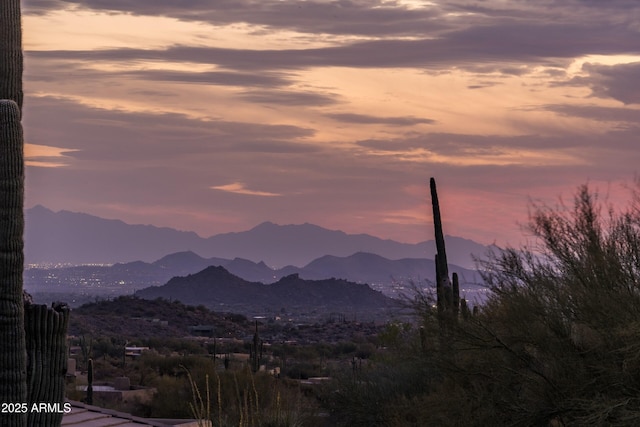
13 361
455 303
25 328
89 398
441 253
447 291
255 354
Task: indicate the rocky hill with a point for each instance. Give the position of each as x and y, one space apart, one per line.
137 319
218 289
133 317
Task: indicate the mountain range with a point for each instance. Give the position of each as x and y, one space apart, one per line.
381 273
78 238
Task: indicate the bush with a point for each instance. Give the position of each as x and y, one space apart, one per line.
564 317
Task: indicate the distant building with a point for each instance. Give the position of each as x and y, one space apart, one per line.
203 330
135 351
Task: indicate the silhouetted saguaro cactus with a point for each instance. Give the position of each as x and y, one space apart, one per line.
464 309
456 296
255 354
25 328
447 296
13 358
86 348
441 252
89 398
448 299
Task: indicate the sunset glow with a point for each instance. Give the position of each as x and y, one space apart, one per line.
215 118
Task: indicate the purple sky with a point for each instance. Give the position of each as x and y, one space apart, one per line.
214 115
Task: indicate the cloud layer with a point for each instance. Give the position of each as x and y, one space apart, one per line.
217 115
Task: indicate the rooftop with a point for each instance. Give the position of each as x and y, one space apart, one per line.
93 416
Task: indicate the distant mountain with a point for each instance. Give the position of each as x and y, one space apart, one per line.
372 268
218 289
306 242
123 278
77 238
187 262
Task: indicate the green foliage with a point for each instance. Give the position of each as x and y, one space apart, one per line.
394 334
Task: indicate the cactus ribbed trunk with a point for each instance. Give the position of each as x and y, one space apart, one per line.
11 61
456 296
46 335
439 290
32 338
449 303
442 267
447 297
13 359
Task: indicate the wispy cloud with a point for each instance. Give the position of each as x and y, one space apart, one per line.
46 156
239 188
371 120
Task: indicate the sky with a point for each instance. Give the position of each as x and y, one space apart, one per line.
216 115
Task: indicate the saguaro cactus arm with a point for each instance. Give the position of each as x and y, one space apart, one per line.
456 295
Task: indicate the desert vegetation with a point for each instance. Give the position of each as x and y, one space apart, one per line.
555 345
220 374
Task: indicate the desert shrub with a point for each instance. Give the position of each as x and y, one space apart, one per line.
368 394
564 314
303 370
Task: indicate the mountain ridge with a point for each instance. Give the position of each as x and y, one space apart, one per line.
79 238
388 276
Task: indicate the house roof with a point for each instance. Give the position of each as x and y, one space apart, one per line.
93 416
